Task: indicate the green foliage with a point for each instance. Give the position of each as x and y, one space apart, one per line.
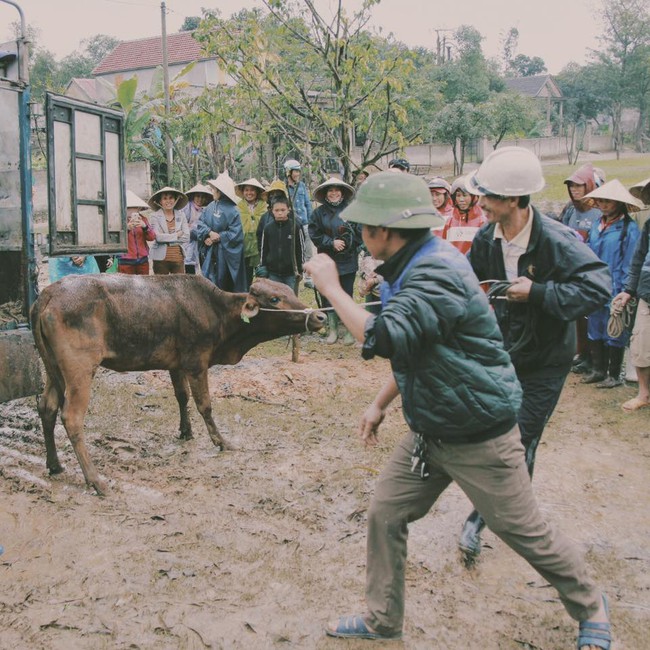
624 58
190 23
46 73
458 123
519 65
526 66
311 80
510 114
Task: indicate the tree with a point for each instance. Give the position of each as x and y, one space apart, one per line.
457 124
588 95
190 23
509 114
526 66
316 80
80 64
467 77
624 57
519 65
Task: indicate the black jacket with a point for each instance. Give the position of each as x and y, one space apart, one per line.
569 281
326 225
279 242
638 279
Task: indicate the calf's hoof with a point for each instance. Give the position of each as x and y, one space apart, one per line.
100 487
55 469
186 435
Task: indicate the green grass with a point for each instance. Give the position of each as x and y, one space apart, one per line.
628 170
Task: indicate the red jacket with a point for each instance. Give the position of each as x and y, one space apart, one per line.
461 228
137 238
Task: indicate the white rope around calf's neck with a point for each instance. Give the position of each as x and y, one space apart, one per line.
308 311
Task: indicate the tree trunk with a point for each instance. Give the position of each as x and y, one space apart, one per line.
640 127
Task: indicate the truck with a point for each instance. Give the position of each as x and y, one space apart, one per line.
86 201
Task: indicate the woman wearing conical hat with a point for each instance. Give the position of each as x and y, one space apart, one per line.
338 239
613 238
170 229
221 238
251 207
199 196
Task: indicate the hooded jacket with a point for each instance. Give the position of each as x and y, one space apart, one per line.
581 215
615 245
325 226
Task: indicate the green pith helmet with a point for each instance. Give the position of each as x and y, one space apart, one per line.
394 201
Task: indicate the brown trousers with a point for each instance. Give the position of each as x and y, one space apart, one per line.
494 476
163 267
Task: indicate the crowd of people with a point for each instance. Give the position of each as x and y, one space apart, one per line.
232 232
482 303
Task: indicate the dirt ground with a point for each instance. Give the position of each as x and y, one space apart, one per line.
259 547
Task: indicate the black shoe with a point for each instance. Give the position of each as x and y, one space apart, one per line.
609 382
581 368
593 378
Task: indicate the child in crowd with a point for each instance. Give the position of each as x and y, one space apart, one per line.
282 246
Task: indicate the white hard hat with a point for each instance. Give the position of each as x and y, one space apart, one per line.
291 164
509 171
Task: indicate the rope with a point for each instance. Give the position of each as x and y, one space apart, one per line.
497 292
620 318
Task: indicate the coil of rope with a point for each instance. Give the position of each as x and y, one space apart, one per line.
497 291
620 317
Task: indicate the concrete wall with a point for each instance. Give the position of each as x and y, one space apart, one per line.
428 158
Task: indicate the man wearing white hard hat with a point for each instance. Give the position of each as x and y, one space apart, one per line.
547 278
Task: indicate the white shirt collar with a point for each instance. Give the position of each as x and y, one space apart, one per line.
522 238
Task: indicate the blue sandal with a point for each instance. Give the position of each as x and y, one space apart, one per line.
596 634
354 627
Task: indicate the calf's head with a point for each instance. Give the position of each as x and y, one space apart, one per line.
273 307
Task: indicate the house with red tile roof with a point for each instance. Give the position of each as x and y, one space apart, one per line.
143 58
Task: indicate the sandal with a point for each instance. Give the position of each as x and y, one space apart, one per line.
634 404
354 627
595 634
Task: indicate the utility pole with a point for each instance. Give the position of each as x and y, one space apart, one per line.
443 51
168 140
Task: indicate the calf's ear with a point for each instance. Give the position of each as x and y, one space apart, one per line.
249 310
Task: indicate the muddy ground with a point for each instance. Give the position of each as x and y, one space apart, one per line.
259 547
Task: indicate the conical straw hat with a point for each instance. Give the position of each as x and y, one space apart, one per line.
180 203
252 182
614 190
641 191
225 185
134 201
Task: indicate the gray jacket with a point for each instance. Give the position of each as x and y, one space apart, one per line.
164 238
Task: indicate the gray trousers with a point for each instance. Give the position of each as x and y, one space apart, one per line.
494 476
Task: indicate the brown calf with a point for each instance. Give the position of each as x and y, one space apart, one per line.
179 323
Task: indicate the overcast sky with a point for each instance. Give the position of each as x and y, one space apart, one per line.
557 30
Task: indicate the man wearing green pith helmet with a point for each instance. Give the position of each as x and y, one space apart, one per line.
460 397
